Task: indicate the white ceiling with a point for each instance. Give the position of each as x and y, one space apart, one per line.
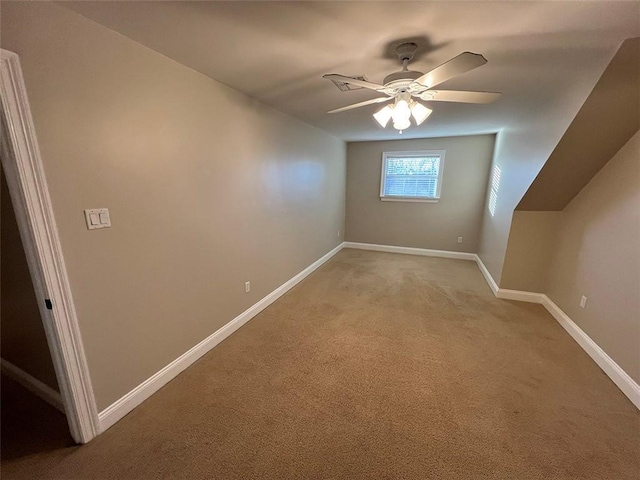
277 52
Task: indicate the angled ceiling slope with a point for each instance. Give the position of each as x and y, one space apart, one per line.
609 117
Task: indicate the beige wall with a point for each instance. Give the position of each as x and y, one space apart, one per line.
206 187
24 343
523 147
531 239
597 255
421 225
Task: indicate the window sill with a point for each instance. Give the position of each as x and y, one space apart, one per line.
409 199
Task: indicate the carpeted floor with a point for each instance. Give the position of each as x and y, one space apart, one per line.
376 366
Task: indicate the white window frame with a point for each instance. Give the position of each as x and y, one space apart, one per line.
416 153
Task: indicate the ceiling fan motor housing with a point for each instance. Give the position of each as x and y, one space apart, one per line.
399 81
396 79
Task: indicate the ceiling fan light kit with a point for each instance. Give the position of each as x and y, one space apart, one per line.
401 113
384 115
420 112
403 85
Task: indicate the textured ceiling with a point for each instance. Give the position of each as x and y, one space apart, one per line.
277 52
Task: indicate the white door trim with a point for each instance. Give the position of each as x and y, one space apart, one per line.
41 389
30 196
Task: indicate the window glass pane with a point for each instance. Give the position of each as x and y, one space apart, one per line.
411 176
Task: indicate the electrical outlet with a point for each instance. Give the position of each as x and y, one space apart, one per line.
459 239
247 287
583 301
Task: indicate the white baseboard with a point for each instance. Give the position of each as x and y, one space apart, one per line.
519 295
135 397
624 382
504 293
487 276
411 250
42 390
628 386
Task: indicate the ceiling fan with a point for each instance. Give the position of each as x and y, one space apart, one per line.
405 85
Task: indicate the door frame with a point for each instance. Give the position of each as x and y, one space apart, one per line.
29 193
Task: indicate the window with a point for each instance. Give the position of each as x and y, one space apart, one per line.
412 176
495 186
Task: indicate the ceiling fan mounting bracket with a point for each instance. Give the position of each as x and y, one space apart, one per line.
406 51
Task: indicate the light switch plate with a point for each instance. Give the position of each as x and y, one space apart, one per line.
97 218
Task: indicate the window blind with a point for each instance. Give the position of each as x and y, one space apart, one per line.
411 176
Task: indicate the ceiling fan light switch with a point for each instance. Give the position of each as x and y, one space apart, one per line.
97 218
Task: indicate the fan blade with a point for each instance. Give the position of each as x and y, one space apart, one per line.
353 81
463 63
460 96
362 104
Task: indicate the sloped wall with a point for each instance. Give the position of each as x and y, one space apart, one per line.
606 121
609 117
523 147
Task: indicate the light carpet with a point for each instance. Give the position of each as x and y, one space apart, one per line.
381 366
